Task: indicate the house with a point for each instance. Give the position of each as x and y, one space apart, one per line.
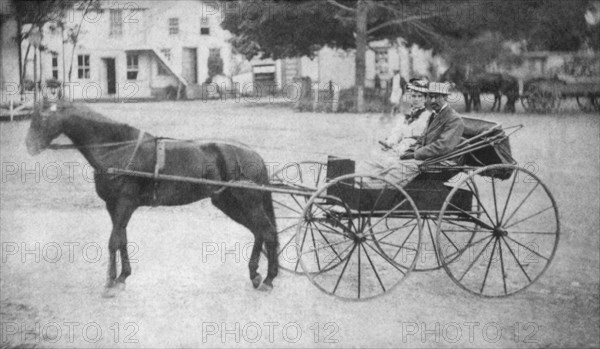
382 58
131 50
9 59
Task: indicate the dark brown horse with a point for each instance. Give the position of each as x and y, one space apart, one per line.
105 144
473 85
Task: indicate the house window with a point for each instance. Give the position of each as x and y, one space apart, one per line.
173 26
83 66
55 66
162 70
214 52
132 67
116 22
204 26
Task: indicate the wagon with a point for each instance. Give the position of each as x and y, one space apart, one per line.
490 224
544 95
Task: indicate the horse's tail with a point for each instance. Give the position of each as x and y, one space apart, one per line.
268 207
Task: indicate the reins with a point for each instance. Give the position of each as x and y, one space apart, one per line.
97 145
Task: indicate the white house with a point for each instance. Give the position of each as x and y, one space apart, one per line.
338 66
136 49
9 58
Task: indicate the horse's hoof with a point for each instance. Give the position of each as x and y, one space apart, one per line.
113 290
256 281
266 286
109 292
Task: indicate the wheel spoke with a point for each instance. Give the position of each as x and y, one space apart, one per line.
286 206
359 267
467 246
327 241
476 195
301 245
474 219
533 232
531 216
398 246
437 258
476 258
377 200
386 215
392 230
508 198
397 266
495 201
527 248
502 267
516 259
312 234
373 267
487 270
344 269
403 242
333 259
324 247
522 202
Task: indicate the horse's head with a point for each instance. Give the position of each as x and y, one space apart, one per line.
46 125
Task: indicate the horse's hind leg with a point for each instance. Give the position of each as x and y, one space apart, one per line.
246 208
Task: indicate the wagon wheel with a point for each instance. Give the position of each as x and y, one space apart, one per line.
588 103
541 101
370 248
309 175
429 258
517 233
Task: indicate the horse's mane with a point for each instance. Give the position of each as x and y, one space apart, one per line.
84 112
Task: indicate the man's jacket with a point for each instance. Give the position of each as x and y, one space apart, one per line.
441 136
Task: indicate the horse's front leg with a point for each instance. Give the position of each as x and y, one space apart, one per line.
120 213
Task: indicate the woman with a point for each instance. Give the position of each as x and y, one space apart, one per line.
386 160
407 131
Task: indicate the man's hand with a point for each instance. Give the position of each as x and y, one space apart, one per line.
406 156
385 146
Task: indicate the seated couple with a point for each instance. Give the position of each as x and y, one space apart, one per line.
421 135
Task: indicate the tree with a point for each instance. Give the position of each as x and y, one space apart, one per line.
279 29
290 28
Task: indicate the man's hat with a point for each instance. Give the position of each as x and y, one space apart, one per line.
419 85
439 88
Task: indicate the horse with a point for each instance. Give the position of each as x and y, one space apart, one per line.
473 85
106 144
498 85
458 76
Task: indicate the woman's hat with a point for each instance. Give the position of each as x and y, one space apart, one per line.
419 85
439 88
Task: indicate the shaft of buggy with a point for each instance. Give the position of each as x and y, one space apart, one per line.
239 184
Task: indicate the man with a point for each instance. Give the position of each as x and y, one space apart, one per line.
396 96
444 128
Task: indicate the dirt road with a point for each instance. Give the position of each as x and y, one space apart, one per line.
190 288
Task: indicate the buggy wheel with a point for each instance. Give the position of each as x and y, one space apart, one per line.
516 237
364 243
429 257
589 104
307 175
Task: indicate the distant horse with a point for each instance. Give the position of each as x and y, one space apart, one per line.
458 75
473 85
498 85
105 144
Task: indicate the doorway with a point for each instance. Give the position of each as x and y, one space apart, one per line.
111 76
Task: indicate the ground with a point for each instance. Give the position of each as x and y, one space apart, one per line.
190 287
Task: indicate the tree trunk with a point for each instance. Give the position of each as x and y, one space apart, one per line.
361 51
19 43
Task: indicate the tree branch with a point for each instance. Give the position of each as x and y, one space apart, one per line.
343 7
398 21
